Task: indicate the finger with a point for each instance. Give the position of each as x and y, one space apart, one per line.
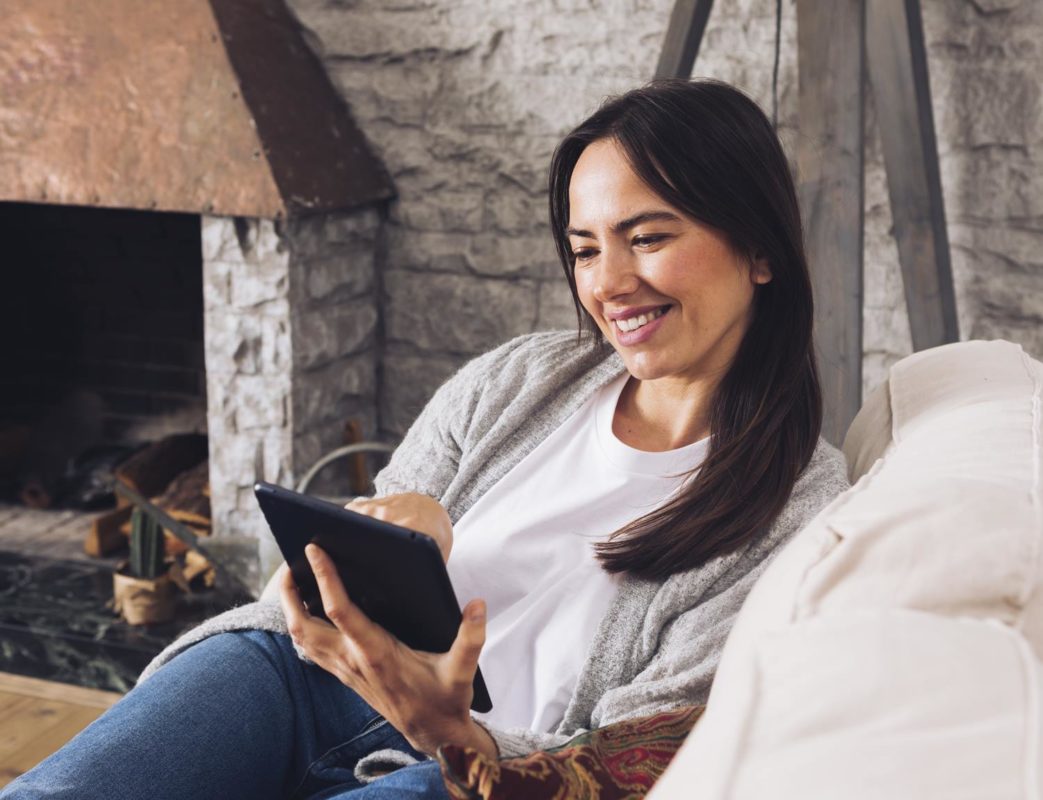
293 608
289 592
345 615
369 507
462 659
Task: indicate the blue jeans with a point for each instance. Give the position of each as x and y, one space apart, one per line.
235 715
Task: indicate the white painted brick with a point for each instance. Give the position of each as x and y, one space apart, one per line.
253 285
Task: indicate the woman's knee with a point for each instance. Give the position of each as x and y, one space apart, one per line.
248 657
234 644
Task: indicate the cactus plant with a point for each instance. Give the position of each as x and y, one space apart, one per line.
147 546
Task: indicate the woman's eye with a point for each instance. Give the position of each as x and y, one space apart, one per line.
648 240
584 254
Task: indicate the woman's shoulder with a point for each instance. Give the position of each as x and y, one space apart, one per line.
548 347
525 373
821 482
824 477
549 357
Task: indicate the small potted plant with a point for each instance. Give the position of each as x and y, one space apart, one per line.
142 589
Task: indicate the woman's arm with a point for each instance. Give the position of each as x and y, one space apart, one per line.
427 459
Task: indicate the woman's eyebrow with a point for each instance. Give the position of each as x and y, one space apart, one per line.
630 222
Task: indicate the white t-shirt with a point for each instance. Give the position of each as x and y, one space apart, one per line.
526 547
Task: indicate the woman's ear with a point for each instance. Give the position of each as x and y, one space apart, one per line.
760 270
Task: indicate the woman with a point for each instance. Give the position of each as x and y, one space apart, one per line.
605 508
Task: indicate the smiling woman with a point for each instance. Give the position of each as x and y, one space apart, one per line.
676 199
605 501
670 293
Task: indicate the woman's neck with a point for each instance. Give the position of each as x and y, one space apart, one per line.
662 415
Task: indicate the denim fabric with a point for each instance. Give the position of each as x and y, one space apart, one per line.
236 715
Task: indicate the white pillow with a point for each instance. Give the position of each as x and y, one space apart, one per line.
881 705
945 519
869 436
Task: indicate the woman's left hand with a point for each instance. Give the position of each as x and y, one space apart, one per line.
425 696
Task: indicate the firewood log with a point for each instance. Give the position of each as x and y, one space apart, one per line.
151 470
186 498
105 535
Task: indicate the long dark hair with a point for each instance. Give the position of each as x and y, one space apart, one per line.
707 149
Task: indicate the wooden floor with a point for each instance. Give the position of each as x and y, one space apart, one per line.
37 717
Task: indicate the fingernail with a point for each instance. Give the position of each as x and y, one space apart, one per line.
477 612
311 551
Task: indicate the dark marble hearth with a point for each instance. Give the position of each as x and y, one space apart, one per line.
54 623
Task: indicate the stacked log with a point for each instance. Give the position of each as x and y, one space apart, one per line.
173 474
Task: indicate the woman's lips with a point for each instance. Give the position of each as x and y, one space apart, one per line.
642 334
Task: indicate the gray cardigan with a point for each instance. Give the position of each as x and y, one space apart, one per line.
659 643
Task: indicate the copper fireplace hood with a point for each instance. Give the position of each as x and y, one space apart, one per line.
203 106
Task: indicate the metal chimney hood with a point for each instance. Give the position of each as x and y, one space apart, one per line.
204 106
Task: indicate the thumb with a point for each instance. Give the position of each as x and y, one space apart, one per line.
463 655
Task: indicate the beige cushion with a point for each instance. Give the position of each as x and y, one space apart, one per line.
869 436
945 521
890 704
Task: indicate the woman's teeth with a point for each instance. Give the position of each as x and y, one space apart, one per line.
633 323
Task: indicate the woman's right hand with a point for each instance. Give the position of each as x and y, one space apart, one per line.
418 512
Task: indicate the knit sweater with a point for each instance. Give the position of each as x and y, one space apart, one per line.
658 645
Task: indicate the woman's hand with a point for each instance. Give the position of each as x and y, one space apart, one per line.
418 512
425 696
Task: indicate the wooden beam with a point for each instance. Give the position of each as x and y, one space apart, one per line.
831 51
684 33
898 73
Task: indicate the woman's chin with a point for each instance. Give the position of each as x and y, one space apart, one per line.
644 369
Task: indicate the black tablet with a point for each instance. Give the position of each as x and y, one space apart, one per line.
395 575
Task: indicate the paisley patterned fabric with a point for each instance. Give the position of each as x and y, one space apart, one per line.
617 762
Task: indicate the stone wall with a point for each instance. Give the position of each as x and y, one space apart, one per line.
465 100
291 354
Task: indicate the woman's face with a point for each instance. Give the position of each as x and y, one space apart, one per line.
671 294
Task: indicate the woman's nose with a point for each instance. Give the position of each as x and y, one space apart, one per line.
616 276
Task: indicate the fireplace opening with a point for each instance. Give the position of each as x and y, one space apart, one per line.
101 316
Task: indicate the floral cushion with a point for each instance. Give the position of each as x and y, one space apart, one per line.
616 762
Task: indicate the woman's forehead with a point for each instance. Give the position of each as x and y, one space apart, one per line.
606 191
602 165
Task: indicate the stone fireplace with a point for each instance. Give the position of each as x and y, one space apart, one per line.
193 220
291 327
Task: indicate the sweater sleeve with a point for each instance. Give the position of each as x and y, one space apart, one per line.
521 741
428 457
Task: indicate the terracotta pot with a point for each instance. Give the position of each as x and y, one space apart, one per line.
142 601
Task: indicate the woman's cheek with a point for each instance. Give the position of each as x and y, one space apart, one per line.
586 294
